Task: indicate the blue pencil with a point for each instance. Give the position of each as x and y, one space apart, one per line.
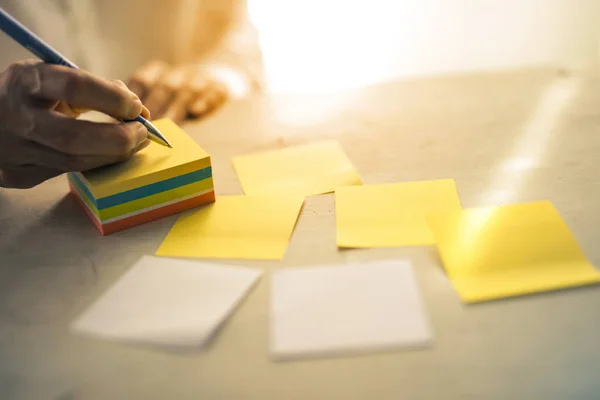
47 54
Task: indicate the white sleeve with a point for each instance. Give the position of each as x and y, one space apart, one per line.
46 18
239 50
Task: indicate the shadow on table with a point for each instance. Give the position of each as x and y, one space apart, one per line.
58 258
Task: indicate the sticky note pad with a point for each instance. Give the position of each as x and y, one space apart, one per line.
167 302
303 170
249 227
154 183
512 250
391 215
348 309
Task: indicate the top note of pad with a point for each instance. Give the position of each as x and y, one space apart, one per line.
304 170
153 164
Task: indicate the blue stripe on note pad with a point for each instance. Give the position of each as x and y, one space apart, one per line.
144 191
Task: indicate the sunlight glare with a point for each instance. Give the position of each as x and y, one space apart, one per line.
314 46
532 143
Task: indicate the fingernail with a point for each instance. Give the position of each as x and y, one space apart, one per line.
136 109
141 134
146 112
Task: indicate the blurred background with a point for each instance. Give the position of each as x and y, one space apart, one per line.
331 45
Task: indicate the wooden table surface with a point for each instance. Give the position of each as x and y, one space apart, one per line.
509 137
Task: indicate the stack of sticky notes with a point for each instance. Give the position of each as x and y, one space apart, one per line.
155 183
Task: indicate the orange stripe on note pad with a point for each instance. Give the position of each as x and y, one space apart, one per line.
148 216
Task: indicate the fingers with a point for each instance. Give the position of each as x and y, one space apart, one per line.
210 99
177 110
79 137
26 177
158 100
145 112
46 163
164 91
41 139
195 103
202 86
198 108
146 77
52 164
48 158
177 92
79 89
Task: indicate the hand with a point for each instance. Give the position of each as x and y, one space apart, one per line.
178 93
40 139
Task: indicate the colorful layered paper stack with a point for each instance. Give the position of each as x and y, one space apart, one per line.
155 183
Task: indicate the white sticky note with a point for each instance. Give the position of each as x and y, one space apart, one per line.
340 310
167 302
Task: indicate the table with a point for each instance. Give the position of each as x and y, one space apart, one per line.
504 137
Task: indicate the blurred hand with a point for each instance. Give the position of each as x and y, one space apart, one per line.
40 139
178 93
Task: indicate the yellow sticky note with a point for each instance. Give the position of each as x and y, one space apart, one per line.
245 227
393 214
155 163
303 170
512 250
